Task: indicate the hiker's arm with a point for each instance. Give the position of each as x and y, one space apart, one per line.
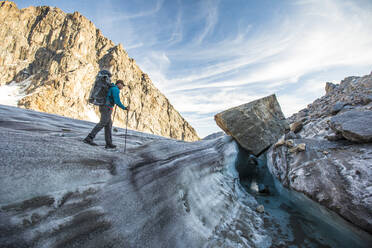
117 99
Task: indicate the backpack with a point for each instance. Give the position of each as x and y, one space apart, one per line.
100 88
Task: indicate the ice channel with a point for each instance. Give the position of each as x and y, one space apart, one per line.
292 219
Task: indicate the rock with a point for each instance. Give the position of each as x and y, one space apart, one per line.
260 209
298 148
330 87
367 99
54 57
263 189
280 142
255 125
334 137
337 107
291 135
296 126
326 173
354 125
289 143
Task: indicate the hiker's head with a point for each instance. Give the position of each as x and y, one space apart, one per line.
120 84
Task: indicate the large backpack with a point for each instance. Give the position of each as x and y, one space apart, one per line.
100 88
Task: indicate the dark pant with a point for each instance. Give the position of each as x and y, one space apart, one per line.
105 122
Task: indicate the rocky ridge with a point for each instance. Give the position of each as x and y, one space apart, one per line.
53 58
327 155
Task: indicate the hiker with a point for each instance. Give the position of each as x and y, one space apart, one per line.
112 98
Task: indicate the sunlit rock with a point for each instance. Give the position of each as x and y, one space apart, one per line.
255 125
51 58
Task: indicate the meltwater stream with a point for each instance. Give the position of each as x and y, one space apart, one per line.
292 219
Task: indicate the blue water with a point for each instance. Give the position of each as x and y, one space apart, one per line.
292 219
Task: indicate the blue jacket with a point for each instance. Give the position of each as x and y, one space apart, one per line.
113 97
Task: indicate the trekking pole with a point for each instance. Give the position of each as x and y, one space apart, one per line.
126 132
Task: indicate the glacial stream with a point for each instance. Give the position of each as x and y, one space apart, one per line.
292 219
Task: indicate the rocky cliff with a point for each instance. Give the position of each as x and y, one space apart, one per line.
52 58
328 154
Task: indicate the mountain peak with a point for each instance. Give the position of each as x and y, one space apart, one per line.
52 58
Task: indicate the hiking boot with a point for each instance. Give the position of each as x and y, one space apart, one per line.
110 146
89 141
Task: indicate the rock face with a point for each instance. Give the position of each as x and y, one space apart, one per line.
53 59
335 169
354 125
255 125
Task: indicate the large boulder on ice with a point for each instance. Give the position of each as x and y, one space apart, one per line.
354 125
255 125
335 169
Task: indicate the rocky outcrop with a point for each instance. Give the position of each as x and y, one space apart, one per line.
255 125
54 57
354 125
335 168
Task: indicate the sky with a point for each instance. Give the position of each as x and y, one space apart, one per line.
207 56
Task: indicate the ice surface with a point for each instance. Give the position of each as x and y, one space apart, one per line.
56 191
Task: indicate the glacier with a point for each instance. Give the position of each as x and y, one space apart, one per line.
56 191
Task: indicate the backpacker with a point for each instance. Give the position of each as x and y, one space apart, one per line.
100 88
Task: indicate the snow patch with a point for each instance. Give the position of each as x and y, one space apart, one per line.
10 94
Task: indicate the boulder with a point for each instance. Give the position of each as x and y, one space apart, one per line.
330 87
255 125
354 125
337 107
296 126
260 209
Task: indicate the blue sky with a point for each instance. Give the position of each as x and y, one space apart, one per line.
209 55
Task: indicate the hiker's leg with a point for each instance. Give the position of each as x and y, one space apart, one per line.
108 133
107 116
104 119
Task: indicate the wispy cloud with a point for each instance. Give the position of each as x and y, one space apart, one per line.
276 56
210 11
126 16
177 33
